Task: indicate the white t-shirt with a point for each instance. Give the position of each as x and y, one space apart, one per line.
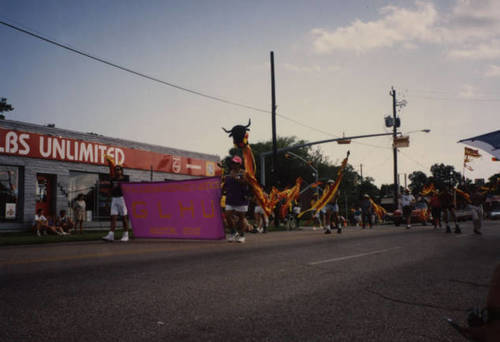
40 218
407 200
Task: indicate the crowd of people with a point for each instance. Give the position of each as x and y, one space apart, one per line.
439 208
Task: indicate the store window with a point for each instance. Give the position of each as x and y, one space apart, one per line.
9 187
95 189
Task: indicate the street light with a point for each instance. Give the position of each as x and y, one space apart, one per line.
426 130
305 161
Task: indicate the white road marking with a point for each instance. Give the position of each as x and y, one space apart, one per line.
462 235
353 256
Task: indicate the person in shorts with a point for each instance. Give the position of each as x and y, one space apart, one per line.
407 202
237 192
118 207
79 211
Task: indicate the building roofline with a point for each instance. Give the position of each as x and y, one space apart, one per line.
96 137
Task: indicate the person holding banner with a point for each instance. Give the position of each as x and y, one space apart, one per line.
237 192
118 206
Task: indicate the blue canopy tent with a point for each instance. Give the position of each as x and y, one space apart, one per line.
489 142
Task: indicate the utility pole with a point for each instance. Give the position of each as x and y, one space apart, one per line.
361 171
394 148
273 111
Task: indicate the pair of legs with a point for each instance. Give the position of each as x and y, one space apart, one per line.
40 227
407 215
436 216
237 224
447 214
118 208
79 223
332 217
67 226
477 217
366 218
114 218
261 219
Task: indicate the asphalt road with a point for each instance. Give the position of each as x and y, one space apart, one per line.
383 284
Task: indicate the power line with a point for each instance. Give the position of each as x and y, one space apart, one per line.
130 70
194 92
456 99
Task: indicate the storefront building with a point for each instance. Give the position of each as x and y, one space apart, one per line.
43 167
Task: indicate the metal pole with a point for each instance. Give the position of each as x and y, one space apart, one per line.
273 111
394 148
263 170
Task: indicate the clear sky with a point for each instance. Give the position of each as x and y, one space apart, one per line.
335 62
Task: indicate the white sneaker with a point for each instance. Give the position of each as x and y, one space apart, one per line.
260 229
124 237
240 239
232 237
38 233
110 237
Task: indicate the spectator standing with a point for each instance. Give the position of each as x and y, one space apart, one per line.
79 208
236 189
366 211
407 202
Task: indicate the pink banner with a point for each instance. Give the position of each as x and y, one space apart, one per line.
187 209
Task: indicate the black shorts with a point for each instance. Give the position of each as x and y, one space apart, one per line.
406 211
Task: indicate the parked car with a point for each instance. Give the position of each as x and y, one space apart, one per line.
388 204
420 214
492 207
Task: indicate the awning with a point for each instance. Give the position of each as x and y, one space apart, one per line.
489 142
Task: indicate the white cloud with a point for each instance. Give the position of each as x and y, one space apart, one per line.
493 71
312 68
479 51
468 92
398 25
468 30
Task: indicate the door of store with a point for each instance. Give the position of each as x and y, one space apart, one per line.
44 193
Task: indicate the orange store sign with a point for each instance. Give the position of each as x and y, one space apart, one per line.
34 145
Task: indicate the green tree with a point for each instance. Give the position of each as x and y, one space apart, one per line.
387 190
494 182
444 175
418 179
